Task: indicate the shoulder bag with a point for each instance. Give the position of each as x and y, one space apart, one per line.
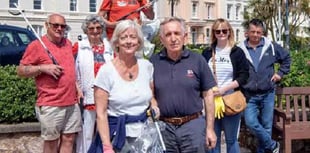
234 102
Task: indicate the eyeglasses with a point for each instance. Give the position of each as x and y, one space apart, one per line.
57 25
224 31
99 28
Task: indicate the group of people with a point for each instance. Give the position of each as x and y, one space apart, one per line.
98 93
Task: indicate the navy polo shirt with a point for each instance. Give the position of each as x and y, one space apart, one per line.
179 84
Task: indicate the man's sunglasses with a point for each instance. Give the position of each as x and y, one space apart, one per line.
224 31
56 25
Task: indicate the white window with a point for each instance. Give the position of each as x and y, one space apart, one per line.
92 6
237 34
228 10
73 4
237 12
209 10
12 2
194 35
39 29
194 9
37 4
208 33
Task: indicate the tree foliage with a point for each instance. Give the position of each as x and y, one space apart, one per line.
268 10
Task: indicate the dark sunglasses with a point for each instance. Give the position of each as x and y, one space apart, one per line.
56 25
93 28
224 31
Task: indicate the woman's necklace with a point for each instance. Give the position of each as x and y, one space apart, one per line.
128 72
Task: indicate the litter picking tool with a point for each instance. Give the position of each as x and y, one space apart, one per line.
153 114
31 27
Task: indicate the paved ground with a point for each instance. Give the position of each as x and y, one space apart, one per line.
32 143
21 143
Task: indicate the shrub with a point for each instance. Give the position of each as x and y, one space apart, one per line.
17 97
300 70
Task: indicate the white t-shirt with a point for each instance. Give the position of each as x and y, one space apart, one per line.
224 68
127 97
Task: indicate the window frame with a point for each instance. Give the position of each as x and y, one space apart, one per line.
39 5
73 5
11 2
228 11
194 9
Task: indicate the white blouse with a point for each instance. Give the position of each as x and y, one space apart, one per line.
127 97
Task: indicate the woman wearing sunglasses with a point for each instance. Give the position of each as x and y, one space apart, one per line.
229 63
91 52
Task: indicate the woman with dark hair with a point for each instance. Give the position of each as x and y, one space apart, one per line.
91 52
230 67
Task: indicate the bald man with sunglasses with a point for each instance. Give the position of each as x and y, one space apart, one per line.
57 104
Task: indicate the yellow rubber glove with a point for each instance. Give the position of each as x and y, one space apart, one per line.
219 105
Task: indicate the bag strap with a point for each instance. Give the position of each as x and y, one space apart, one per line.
213 65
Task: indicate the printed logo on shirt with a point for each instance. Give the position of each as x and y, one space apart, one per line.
190 73
121 3
222 60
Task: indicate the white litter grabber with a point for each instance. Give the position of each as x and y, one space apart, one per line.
153 114
38 37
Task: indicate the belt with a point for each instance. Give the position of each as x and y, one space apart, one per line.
181 120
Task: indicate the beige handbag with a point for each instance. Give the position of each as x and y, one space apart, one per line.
234 102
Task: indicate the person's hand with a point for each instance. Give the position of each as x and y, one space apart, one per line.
219 107
148 5
276 77
218 91
79 93
52 69
156 111
107 148
210 138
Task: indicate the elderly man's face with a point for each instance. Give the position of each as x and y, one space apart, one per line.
172 36
56 27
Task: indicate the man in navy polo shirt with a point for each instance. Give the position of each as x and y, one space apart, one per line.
182 82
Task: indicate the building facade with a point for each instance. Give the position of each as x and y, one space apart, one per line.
201 14
198 14
36 11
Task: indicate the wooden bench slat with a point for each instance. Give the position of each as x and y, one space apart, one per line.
292 115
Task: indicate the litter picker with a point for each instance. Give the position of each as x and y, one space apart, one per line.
153 114
38 37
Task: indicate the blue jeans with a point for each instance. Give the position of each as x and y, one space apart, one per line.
259 118
230 126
